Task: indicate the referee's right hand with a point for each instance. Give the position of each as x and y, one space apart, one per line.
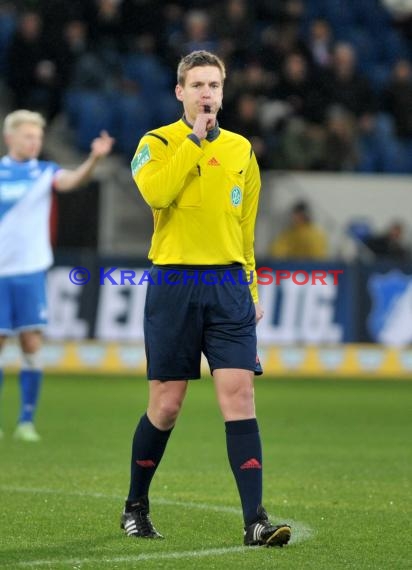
259 312
205 121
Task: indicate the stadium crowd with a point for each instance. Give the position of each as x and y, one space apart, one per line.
319 85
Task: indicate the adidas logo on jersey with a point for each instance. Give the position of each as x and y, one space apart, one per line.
213 162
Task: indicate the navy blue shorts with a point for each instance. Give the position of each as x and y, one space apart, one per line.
195 309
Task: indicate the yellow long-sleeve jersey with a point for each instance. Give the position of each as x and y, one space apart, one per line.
204 198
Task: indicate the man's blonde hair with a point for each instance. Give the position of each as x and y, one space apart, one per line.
198 59
20 117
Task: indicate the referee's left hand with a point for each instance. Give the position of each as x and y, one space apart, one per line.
259 312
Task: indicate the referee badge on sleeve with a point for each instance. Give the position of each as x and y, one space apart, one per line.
236 196
140 159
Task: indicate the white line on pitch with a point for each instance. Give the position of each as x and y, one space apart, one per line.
140 557
300 531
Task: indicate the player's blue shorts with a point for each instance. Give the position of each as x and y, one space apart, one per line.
22 302
189 310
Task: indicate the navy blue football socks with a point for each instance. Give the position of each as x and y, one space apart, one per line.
244 450
148 447
30 384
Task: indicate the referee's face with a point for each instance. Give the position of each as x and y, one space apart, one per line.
25 141
203 86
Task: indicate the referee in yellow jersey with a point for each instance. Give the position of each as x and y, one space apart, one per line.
202 183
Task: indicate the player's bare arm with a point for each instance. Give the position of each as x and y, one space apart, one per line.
67 180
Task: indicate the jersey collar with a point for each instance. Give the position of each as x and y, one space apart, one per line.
8 161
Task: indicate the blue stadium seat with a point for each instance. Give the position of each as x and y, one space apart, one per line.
313 11
371 15
364 45
378 75
360 229
134 115
369 157
339 14
147 72
71 105
365 24
408 149
385 126
168 108
392 47
382 151
89 113
394 156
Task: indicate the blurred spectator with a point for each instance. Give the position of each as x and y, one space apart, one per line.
297 89
301 146
56 14
235 19
87 68
252 79
390 244
278 42
142 17
399 9
245 121
235 27
196 34
340 153
74 44
398 98
106 25
344 86
32 72
194 4
320 43
282 11
302 239
404 22
281 52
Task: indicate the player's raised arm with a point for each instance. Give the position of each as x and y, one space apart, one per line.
67 180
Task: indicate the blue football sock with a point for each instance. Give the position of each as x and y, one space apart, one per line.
149 444
30 383
1 381
245 457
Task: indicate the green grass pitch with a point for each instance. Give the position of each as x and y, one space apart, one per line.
337 459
